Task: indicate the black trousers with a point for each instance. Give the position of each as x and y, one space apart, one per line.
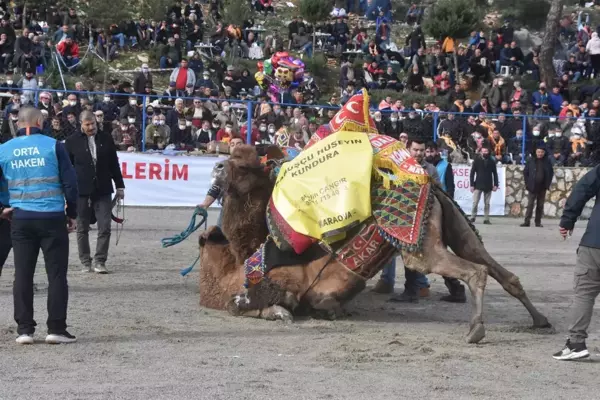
539 199
5 242
28 237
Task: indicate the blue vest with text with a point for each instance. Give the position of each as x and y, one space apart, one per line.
30 168
441 167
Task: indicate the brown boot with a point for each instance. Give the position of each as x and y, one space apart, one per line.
424 292
383 287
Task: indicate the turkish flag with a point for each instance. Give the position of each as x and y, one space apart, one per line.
354 116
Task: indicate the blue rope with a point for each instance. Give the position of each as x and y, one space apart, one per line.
192 227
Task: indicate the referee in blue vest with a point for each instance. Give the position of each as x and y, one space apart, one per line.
40 177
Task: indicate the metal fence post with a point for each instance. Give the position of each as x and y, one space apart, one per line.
249 122
435 125
523 142
144 116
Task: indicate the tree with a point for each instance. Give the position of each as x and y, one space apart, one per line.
102 14
315 11
154 9
454 19
547 71
235 12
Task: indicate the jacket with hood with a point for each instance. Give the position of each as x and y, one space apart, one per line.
593 46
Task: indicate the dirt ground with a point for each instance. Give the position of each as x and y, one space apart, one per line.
142 335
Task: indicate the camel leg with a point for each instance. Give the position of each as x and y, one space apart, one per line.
239 306
442 262
328 308
463 241
510 282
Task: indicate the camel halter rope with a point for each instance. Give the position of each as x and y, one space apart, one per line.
192 227
118 205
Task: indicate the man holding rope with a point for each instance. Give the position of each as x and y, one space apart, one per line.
94 156
216 192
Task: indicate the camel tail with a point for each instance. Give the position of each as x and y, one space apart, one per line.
455 220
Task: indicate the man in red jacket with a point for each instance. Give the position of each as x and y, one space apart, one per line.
69 51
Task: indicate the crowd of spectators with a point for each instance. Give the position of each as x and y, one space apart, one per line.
202 101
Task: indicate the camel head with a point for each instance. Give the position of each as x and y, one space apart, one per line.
242 173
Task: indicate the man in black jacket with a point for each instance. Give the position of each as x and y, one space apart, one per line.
484 179
587 269
94 156
538 174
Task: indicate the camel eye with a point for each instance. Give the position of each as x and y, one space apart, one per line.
220 166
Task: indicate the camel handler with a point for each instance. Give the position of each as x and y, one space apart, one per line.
587 267
94 156
40 178
417 284
216 192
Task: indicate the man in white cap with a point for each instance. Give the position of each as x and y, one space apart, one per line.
142 79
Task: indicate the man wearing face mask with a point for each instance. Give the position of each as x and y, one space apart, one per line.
539 96
181 136
538 174
143 78
414 126
157 133
45 103
380 123
94 156
226 115
124 135
176 114
543 113
484 180
110 110
225 134
204 135
72 107
131 109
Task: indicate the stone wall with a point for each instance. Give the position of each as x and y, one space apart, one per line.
564 179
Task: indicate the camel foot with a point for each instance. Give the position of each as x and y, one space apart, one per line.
542 323
277 313
476 333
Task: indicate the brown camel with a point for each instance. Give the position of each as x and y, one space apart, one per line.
325 284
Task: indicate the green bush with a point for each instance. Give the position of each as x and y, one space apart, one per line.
528 13
453 18
316 65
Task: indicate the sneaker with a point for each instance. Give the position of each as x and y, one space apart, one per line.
383 287
576 351
100 269
25 339
86 268
60 338
487 222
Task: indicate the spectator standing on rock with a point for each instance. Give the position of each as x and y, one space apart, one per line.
484 179
538 174
587 268
183 76
143 78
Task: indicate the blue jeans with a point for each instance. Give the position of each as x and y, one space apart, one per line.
308 49
121 38
163 62
413 278
69 62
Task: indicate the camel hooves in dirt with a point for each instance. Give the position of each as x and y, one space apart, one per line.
476 334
